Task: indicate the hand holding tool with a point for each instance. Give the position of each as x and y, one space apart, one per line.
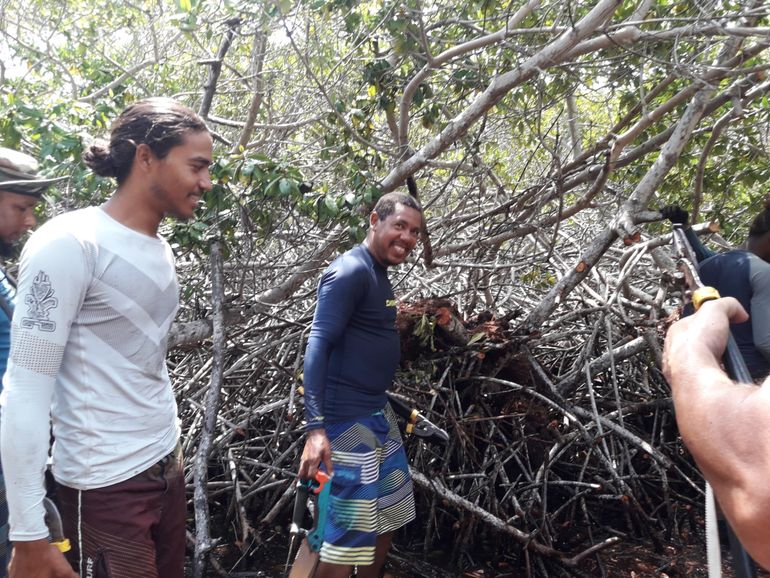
53 521
317 490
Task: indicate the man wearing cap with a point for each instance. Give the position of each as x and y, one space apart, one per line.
20 191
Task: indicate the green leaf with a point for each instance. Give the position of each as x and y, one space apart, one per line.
288 187
331 204
476 337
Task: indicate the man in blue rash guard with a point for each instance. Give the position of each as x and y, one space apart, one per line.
744 274
352 355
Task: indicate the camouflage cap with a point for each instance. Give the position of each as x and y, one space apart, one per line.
18 174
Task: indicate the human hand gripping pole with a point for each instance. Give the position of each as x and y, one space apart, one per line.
317 451
736 369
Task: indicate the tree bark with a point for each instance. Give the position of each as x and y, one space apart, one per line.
203 542
497 89
210 88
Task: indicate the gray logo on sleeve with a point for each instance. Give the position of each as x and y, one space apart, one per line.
39 302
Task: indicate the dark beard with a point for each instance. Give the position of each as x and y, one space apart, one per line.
6 249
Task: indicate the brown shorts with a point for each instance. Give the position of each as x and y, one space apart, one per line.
131 529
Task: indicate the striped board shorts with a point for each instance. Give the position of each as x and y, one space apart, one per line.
371 491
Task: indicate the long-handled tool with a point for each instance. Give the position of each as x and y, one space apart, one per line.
418 424
736 368
317 491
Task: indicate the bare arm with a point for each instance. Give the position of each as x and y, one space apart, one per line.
726 425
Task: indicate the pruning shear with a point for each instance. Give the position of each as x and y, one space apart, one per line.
316 489
418 424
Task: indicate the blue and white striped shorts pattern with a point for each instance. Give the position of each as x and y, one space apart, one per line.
371 490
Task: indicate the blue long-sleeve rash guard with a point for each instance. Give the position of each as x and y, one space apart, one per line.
746 277
7 293
742 275
353 349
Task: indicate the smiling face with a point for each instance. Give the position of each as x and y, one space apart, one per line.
181 177
391 240
17 215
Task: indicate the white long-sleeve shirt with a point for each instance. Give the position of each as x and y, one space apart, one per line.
88 346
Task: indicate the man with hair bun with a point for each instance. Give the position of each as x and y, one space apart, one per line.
97 294
352 354
21 188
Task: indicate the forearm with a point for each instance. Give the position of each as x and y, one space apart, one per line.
711 410
25 436
316 364
337 294
731 448
716 417
724 424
